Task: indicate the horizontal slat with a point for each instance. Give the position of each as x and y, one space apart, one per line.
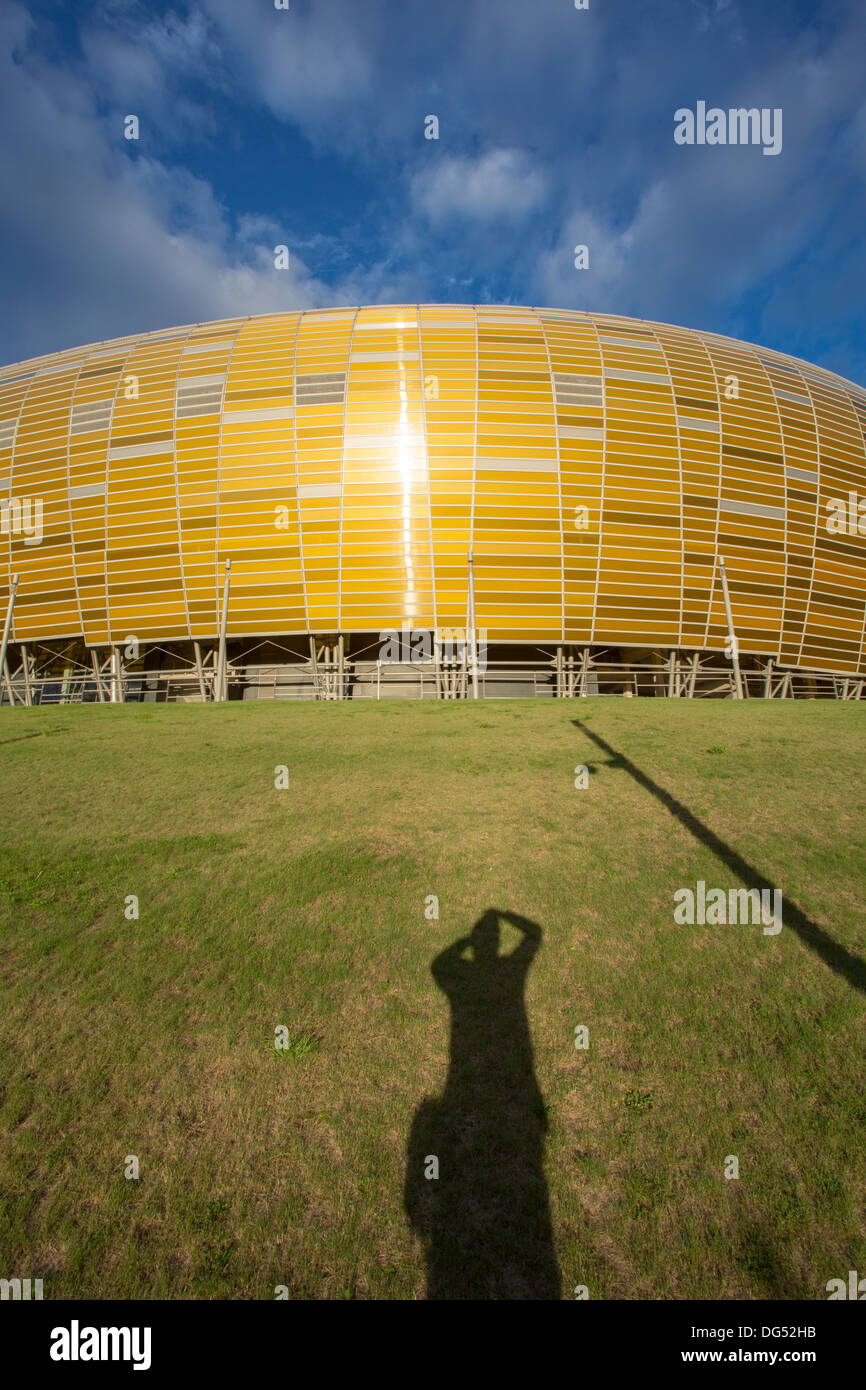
622 374
218 345
190 383
384 357
518 465
383 441
319 490
694 422
244 417
87 490
729 504
641 344
579 432
140 451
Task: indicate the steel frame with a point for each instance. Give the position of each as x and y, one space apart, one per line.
40 674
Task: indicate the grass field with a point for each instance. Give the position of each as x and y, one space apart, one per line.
308 909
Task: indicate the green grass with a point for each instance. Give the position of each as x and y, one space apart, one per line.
304 909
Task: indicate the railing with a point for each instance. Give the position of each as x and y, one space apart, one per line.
371 680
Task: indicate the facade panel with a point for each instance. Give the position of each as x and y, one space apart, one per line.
348 462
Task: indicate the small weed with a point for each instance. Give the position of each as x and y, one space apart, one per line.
639 1102
298 1045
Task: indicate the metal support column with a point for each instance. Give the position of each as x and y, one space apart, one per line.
472 628
25 658
584 671
6 627
732 636
221 688
673 676
116 687
693 674
200 671
314 666
100 693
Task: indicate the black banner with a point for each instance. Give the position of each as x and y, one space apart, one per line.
63 1339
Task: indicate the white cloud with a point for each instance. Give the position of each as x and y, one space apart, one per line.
571 127
500 185
97 244
303 65
714 229
139 68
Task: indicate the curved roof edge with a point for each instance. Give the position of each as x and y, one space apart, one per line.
11 371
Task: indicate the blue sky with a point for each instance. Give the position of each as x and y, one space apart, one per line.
305 127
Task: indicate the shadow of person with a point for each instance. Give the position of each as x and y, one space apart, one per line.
475 1189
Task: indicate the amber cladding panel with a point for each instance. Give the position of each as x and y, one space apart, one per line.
348 462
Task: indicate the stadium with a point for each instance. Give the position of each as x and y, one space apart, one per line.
430 501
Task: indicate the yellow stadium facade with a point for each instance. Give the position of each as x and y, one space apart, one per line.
349 461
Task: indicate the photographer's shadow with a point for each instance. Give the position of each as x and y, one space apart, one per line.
475 1188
